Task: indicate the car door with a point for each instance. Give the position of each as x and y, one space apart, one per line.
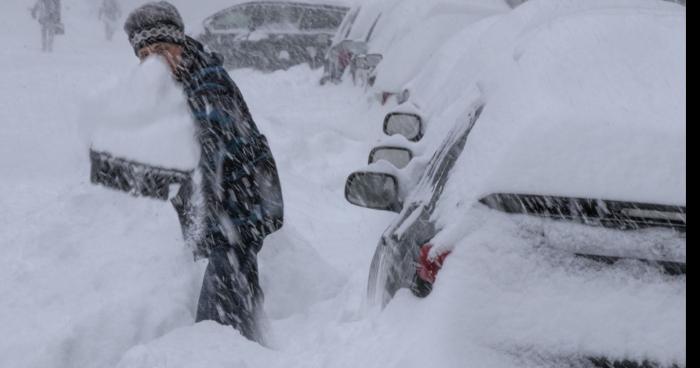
393 265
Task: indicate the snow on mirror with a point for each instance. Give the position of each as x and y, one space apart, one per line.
374 190
407 125
397 156
367 61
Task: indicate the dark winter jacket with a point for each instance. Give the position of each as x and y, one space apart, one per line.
47 11
235 197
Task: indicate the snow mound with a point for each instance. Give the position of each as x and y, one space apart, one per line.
143 117
617 134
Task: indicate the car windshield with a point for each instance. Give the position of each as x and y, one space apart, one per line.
277 17
265 17
233 19
321 19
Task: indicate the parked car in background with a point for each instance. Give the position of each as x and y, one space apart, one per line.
405 54
352 39
406 32
272 35
576 194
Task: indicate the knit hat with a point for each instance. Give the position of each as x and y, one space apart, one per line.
154 22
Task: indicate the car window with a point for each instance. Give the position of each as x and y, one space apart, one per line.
235 18
277 17
321 19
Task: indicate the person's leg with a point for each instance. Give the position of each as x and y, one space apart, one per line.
44 37
50 37
109 30
231 294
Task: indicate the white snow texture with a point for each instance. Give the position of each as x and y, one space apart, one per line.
94 278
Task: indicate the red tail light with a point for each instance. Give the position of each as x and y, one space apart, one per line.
385 97
428 268
344 58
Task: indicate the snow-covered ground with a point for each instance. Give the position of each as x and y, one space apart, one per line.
95 278
90 274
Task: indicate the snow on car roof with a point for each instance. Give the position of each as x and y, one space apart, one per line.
588 102
405 57
327 3
194 12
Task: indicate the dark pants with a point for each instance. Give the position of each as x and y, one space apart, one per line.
47 35
231 294
110 27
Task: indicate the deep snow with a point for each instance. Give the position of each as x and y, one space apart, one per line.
96 278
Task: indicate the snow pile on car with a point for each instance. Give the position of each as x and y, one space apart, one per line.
145 109
588 101
424 28
582 99
503 291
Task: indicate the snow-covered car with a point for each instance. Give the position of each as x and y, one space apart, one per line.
406 53
352 37
406 33
271 35
559 179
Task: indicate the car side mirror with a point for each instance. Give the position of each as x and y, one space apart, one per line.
405 124
379 191
368 61
397 156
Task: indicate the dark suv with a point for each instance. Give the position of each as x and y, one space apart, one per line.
272 35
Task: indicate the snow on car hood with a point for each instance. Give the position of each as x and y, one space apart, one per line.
142 110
